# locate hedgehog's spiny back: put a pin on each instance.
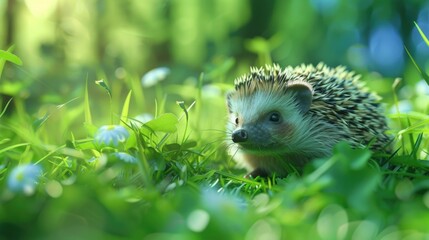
(338, 98)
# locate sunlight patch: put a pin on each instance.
(198, 220)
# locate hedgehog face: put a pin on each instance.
(263, 121)
(263, 134)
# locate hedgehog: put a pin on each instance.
(280, 119)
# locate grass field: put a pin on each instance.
(168, 177)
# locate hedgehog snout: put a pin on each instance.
(252, 136)
(239, 135)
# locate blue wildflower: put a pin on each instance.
(24, 178)
(154, 76)
(111, 135)
(125, 157)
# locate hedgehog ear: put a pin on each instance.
(303, 93)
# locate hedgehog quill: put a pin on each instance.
(280, 119)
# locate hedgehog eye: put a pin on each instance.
(275, 117)
(236, 121)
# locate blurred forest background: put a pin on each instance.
(179, 180)
(64, 43)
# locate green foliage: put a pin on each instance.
(176, 189)
(136, 161)
(164, 123)
(8, 56)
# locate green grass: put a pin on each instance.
(182, 184)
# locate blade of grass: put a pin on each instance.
(143, 164)
(137, 89)
(61, 150)
(13, 146)
(104, 85)
(422, 34)
(183, 107)
(40, 121)
(88, 118)
(237, 178)
(199, 100)
(5, 107)
(125, 109)
(410, 135)
(416, 146)
(396, 103)
(422, 73)
(8, 56)
(165, 137)
(414, 128)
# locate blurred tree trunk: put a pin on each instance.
(100, 31)
(10, 22)
(9, 32)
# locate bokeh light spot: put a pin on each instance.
(54, 189)
(198, 220)
(329, 222)
(264, 229)
(386, 49)
(404, 189)
(324, 6)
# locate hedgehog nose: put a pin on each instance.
(239, 135)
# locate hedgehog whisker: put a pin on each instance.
(214, 130)
(220, 141)
(235, 153)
